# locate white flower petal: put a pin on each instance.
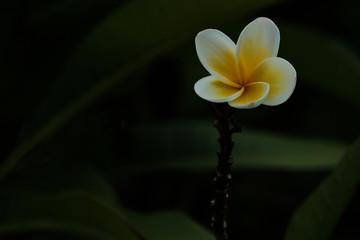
(254, 95)
(259, 40)
(214, 90)
(216, 52)
(280, 75)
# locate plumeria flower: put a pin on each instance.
(246, 74)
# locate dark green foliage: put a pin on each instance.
(103, 136)
(319, 214)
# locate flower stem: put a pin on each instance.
(221, 182)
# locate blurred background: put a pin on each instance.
(103, 136)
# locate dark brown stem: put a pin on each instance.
(223, 175)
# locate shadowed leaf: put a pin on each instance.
(318, 215)
(193, 146)
(73, 214)
(168, 225)
(124, 41)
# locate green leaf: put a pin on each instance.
(56, 178)
(322, 61)
(82, 215)
(72, 213)
(131, 36)
(77, 202)
(168, 225)
(192, 145)
(318, 215)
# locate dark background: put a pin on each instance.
(107, 107)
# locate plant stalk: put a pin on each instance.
(223, 124)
